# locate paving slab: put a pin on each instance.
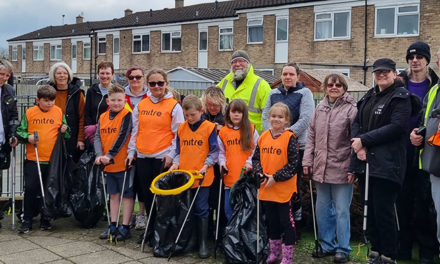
(15, 246)
(103, 256)
(75, 248)
(35, 256)
(46, 241)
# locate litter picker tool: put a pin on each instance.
(13, 183)
(318, 248)
(36, 139)
(223, 173)
(105, 196)
(364, 224)
(127, 168)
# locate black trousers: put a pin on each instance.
(417, 216)
(32, 189)
(280, 223)
(381, 222)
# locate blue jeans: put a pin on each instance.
(333, 216)
(228, 208)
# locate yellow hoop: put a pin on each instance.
(193, 175)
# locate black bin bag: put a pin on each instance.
(87, 196)
(171, 211)
(240, 235)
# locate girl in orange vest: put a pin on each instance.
(237, 141)
(276, 159)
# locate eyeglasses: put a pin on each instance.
(380, 72)
(411, 57)
(337, 85)
(153, 84)
(137, 77)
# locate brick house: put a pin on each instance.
(343, 35)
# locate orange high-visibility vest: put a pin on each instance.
(235, 156)
(154, 130)
(194, 148)
(109, 131)
(273, 157)
(47, 124)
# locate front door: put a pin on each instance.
(203, 49)
(74, 53)
(116, 52)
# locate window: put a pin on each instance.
(203, 40)
(334, 25)
(171, 41)
(141, 43)
(87, 51)
(55, 52)
(116, 45)
(101, 46)
(74, 50)
(255, 30)
(400, 21)
(226, 39)
(38, 53)
(23, 52)
(282, 25)
(14, 53)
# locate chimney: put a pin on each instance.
(179, 3)
(79, 19)
(128, 12)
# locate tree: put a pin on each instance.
(4, 53)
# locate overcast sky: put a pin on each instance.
(18, 17)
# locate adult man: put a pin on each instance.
(243, 83)
(430, 154)
(8, 117)
(414, 205)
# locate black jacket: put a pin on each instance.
(10, 119)
(386, 137)
(95, 105)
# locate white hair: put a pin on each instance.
(56, 66)
(5, 64)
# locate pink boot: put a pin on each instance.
(288, 254)
(275, 251)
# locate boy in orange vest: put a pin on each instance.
(111, 144)
(48, 120)
(197, 149)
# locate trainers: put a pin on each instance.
(341, 257)
(109, 230)
(45, 225)
(123, 233)
(374, 258)
(25, 227)
(387, 260)
(321, 253)
(140, 222)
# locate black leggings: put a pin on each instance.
(32, 188)
(279, 218)
(146, 170)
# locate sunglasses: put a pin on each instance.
(382, 72)
(337, 85)
(153, 84)
(137, 77)
(411, 57)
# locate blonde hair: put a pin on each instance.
(116, 88)
(192, 101)
(284, 109)
(215, 94)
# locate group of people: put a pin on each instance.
(391, 137)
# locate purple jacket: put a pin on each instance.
(328, 146)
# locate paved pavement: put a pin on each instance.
(67, 242)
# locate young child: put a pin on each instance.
(47, 120)
(214, 102)
(276, 159)
(111, 143)
(237, 141)
(197, 149)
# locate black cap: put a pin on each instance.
(384, 64)
(421, 48)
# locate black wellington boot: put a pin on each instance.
(203, 238)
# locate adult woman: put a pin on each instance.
(155, 122)
(379, 137)
(326, 159)
(95, 99)
(70, 98)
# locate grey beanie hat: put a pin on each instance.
(240, 54)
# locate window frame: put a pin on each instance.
(179, 32)
(248, 27)
(200, 32)
(229, 34)
(396, 20)
(84, 48)
(74, 53)
(102, 41)
(332, 20)
(23, 52)
(53, 52)
(287, 29)
(141, 40)
(14, 54)
(39, 51)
